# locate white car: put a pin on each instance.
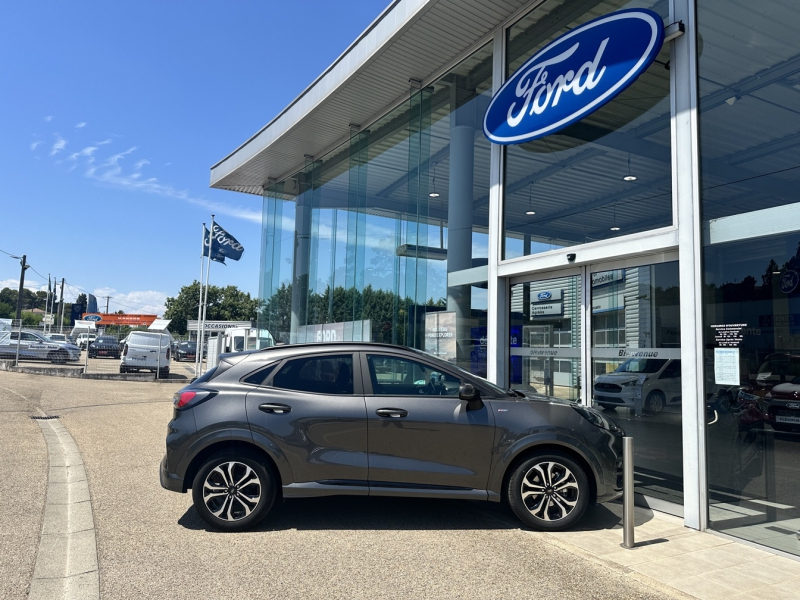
(656, 380)
(146, 351)
(84, 339)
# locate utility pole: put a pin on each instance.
(107, 299)
(61, 306)
(24, 264)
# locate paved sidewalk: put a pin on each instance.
(702, 565)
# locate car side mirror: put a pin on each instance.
(472, 395)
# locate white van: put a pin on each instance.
(146, 351)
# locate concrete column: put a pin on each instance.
(459, 216)
(300, 265)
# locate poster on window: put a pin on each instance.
(440, 335)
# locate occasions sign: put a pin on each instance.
(573, 76)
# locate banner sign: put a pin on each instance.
(440, 335)
(114, 319)
(573, 76)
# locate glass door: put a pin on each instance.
(545, 341)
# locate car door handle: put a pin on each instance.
(394, 413)
(277, 409)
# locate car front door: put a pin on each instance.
(420, 433)
(312, 407)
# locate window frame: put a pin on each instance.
(358, 389)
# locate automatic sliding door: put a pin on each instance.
(546, 337)
(636, 369)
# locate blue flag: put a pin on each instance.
(223, 245)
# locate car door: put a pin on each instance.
(312, 408)
(670, 381)
(420, 433)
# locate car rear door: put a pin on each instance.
(420, 433)
(312, 408)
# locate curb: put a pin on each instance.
(66, 562)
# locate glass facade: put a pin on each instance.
(749, 88)
(605, 176)
(386, 238)
(383, 238)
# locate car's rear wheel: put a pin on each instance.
(233, 491)
(655, 402)
(549, 491)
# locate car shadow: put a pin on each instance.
(399, 514)
(364, 513)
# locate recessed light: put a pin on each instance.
(615, 228)
(629, 178)
(530, 212)
(433, 195)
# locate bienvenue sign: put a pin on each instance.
(574, 76)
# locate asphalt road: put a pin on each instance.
(151, 543)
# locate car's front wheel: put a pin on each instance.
(549, 491)
(233, 491)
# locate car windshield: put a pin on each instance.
(106, 340)
(186, 345)
(641, 365)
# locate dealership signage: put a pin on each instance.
(543, 310)
(131, 320)
(440, 335)
(573, 76)
(546, 296)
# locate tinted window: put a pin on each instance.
(392, 376)
(260, 376)
(318, 374)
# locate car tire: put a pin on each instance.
(237, 507)
(656, 401)
(163, 373)
(548, 491)
(123, 369)
(59, 357)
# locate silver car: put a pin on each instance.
(35, 346)
(655, 381)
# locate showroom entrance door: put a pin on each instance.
(608, 336)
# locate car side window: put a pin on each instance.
(673, 370)
(329, 374)
(394, 376)
(259, 376)
(27, 337)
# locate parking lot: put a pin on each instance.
(151, 543)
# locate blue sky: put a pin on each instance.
(111, 115)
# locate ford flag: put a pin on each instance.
(223, 245)
(216, 255)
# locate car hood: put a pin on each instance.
(536, 397)
(615, 377)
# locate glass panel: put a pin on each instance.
(364, 242)
(636, 369)
(749, 79)
(605, 176)
(545, 337)
(319, 375)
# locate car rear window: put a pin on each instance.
(328, 374)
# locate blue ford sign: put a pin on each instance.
(573, 76)
(544, 295)
(94, 318)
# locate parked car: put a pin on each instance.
(782, 406)
(35, 346)
(146, 351)
(374, 419)
(658, 380)
(58, 337)
(105, 345)
(84, 339)
(186, 351)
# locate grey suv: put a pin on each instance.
(373, 419)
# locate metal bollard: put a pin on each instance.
(627, 493)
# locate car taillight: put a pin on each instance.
(167, 353)
(189, 398)
(125, 350)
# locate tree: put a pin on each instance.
(224, 304)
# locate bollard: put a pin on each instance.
(627, 493)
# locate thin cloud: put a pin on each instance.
(104, 142)
(143, 302)
(58, 146)
(88, 151)
(80, 125)
(138, 166)
(35, 145)
(48, 118)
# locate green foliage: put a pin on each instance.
(224, 304)
(30, 319)
(7, 310)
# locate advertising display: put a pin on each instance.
(440, 335)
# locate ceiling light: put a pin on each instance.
(530, 212)
(433, 195)
(614, 222)
(629, 178)
(615, 228)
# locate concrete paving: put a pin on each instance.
(151, 543)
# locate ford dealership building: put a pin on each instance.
(595, 199)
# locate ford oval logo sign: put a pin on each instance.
(544, 295)
(573, 76)
(94, 318)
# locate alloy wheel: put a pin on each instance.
(231, 491)
(550, 491)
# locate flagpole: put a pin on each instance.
(198, 348)
(208, 273)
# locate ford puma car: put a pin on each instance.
(372, 419)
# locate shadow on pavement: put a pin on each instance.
(362, 513)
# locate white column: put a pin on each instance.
(686, 195)
(497, 317)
